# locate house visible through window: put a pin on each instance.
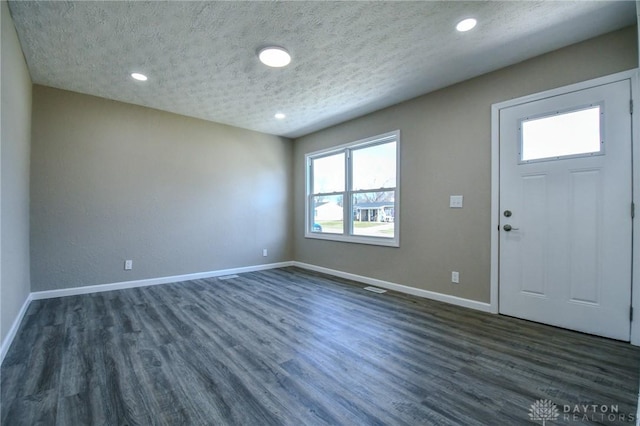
(352, 192)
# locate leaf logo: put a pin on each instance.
(545, 410)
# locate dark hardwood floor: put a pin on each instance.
(291, 347)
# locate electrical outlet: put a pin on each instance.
(264, 252)
(128, 265)
(455, 277)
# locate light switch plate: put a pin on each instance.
(455, 201)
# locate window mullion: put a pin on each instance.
(326, 194)
(310, 213)
(348, 208)
(362, 191)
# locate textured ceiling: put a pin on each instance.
(349, 58)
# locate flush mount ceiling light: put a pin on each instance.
(466, 25)
(138, 76)
(274, 56)
(280, 116)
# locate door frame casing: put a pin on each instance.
(633, 76)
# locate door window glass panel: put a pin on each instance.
(561, 135)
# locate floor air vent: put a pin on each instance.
(375, 289)
(227, 277)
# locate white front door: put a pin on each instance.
(565, 210)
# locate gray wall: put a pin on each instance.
(445, 150)
(112, 181)
(14, 169)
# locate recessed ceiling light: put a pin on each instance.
(274, 56)
(466, 25)
(280, 116)
(138, 76)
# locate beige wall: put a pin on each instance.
(15, 89)
(445, 150)
(112, 181)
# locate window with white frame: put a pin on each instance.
(352, 191)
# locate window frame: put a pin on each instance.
(348, 193)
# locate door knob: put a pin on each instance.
(508, 228)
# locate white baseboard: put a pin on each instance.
(38, 295)
(454, 300)
(6, 343)
(48, 294)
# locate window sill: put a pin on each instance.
(356, 239)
